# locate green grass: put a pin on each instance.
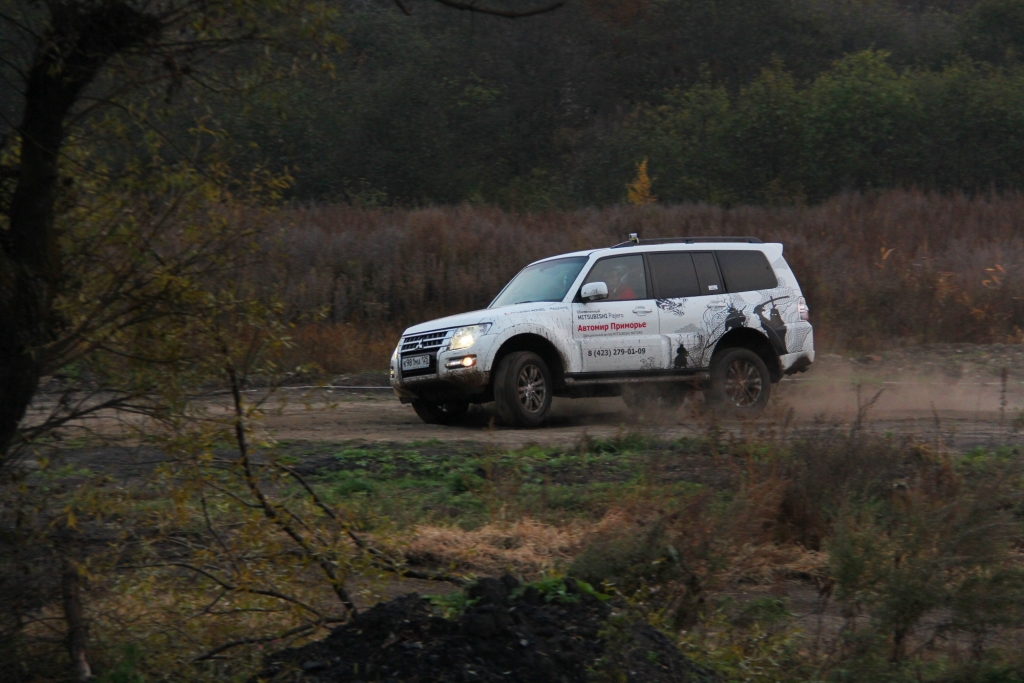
(984, 454)
(434, 482)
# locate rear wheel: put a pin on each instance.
(449, 413)
(523, 389)
(667, 396)
(740, 383)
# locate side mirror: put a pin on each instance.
(594, 291)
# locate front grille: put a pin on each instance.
(426, 342)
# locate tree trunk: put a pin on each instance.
(80, 40)
(77, 633)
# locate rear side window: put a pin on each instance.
(746, 271)
(707, 273)
(674, 275)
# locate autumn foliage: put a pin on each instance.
(900, 267)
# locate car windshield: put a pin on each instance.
(546, 281)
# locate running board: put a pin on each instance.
(589, 378)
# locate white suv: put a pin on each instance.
(650, 320)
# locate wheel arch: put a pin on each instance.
(542, 346)
(755, 341)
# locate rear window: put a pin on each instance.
(707, 273)
(746, 271)
(674, 275)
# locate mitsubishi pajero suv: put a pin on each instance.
(648, 320)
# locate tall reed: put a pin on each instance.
(899, 267)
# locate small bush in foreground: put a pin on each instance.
(917, 550)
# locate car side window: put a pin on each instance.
(746, 271)
(624, 276)
(707, 273)
(674, 275)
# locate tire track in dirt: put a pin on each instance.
(960, 416)
(957, 397)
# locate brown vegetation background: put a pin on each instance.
(894, 268)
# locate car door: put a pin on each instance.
(693, 310)
(620, 333)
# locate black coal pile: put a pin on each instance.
(504, 634)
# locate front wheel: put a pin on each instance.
(523, 389)
(740, 383)
(450, 413)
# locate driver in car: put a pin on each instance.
(619, 287)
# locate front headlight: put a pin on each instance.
(465, 337)
(394, 356)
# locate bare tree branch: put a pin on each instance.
(228, 586)
(302, 630)
(269, 509)
(494, 11)
(383, 560)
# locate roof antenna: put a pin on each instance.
(634, 238)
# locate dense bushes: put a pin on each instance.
(737, 101)
(732, 101)
(915, 548)
(877, 269)
(860, 125)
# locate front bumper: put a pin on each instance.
(442, 383)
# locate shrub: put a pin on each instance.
(892, 268)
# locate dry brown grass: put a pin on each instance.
(530, 548)
(525, 547)
(899, 267)
(340, 347)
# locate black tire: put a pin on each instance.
(740, 383)
(523, 389)
(664, 396)
(449, 413)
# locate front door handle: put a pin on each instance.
(717, 304)
(640, 310)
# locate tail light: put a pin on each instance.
(802, 310)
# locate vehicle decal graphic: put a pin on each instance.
(734, 318)
(614, 327)
(598, 315)
(773, 313)
(797, 338)
(679, 362)
(673, 306)
(773, 325)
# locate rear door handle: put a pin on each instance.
(717, 305)
(640, 310)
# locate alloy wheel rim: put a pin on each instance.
(743, 384)
(532, 388)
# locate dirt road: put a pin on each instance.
(960, 395)
(956, 396)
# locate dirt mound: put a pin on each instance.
(506, 633)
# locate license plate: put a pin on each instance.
(416, 363)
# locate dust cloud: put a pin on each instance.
(953, 393)
(837, 388)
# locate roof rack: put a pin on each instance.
(635, 241)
